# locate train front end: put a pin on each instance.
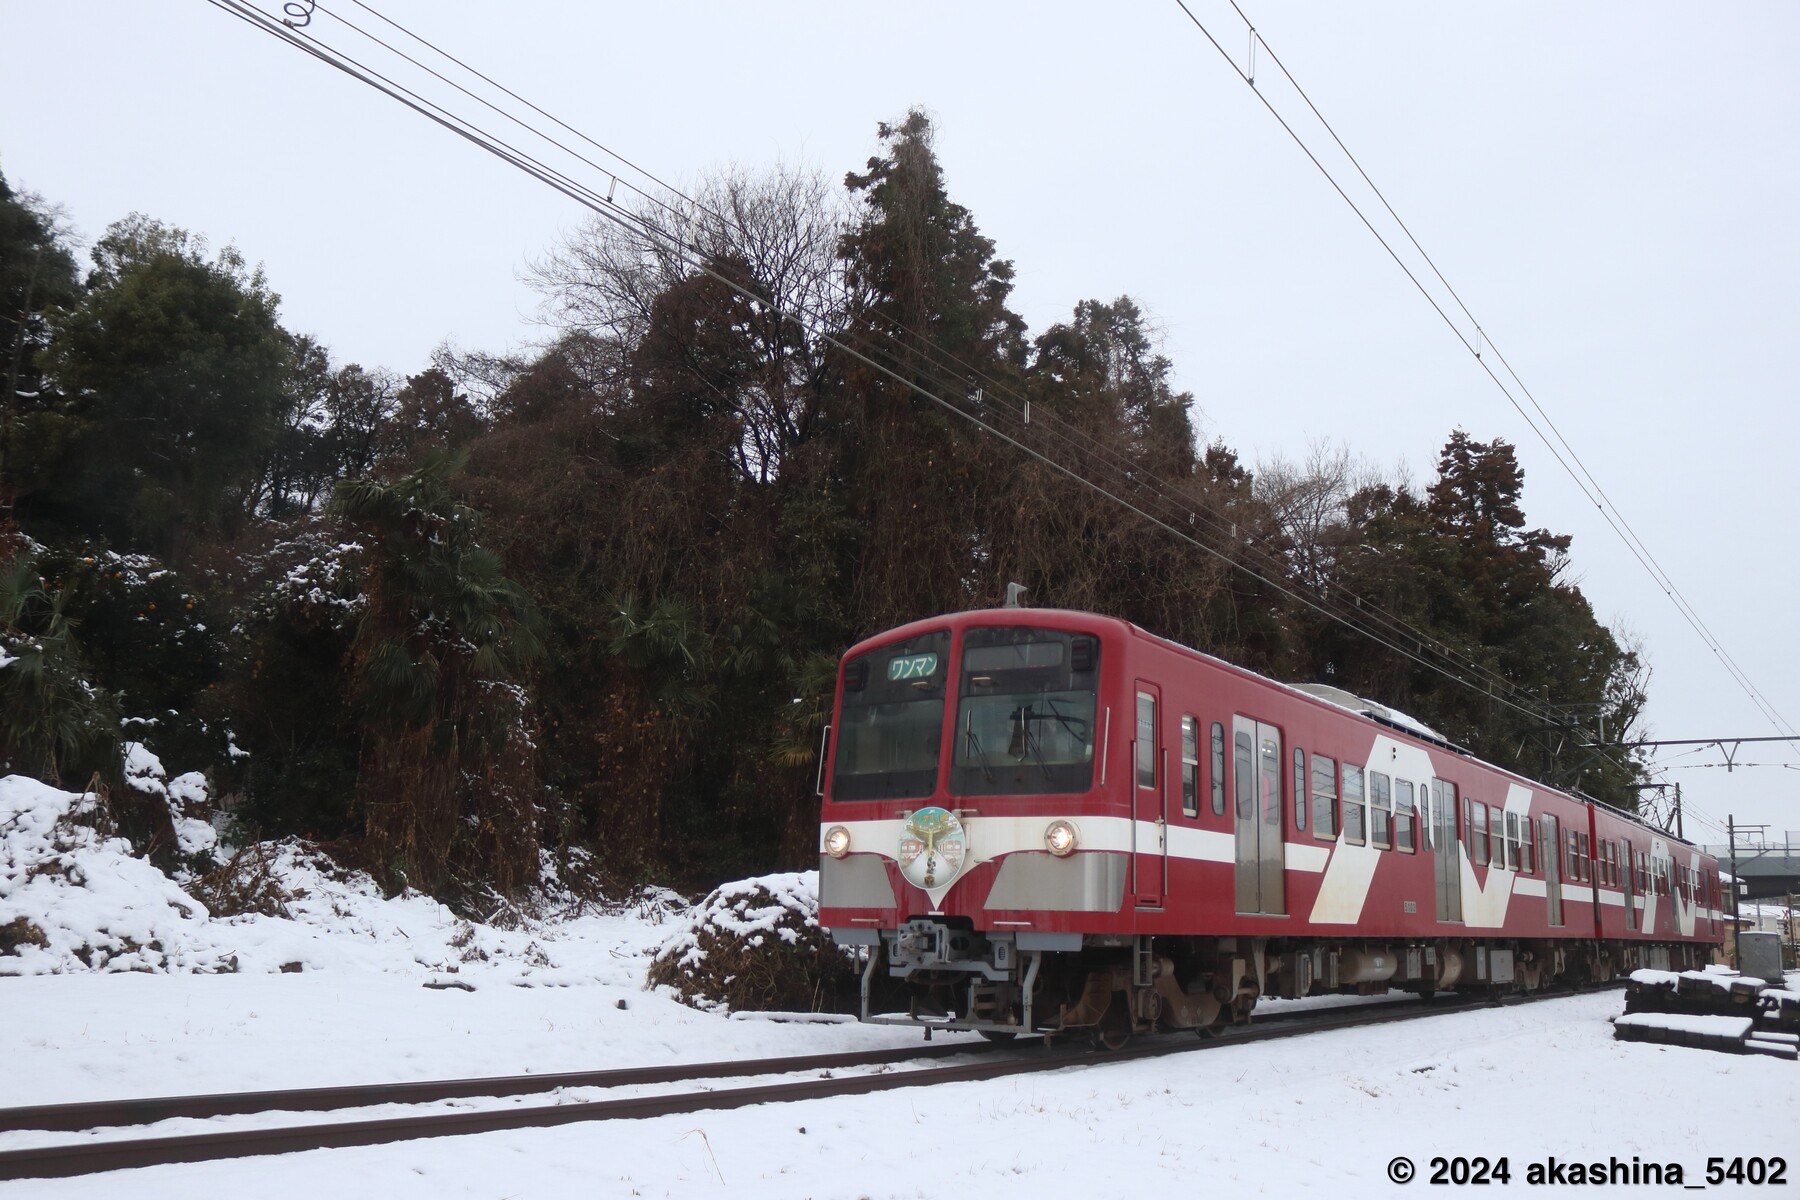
(974, 832)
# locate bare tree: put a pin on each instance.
(1307, 500)
(774, 235)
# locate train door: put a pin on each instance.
(1149, 825)
(1261, 852)
(1550, 854)
(1446, 851)
(1629, 882)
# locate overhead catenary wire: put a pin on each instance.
(1578, 473)
(1359, 611)
(880, 358)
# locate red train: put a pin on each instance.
(1050, 821)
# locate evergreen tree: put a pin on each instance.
(448, 777)
(927, 286)
(37, 276)
(1460, 566)
(172, 367)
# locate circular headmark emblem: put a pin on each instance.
(933, 848)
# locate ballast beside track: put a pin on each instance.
(993, 1062)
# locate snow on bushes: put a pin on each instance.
(755, 944)
(72, 898)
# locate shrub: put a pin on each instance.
(755, 944)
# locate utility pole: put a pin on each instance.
(1737, 928)
(1678, 832)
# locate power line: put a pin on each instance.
(1359, 609)
(1584, 480)
(878, 357)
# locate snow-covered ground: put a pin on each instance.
(1321, 1115)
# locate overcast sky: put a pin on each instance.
(1612, 190)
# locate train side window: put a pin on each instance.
(1218, 769)
(1146, 740)
(1468, 829)
(1572, 857)
(1587, 862)
(1512, 840)
(1403, 816)
(1478, 833)
(1380, 811)
(1496, 838)
(1299, 789)
(1190, 766)
(1243, 766)
(1324, 797)
(1353, 804)
(1527, 847)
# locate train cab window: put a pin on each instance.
(1353, 804)
(1380, 811)
(1190, 766)
(1299, 789)
(891, 723)
(1218, 769)
(1146, 740)
(1025, 717)
(1478, 836)
(1403, 816)
(1512, 840)
(1324, 797)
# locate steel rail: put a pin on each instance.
(98, 1156)
(103, 1113)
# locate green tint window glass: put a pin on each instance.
(1324, 797)
(1353, 804)
(1218, 769)
(1025, 718)
(891, 722)
(1190, 766)
(1380, 811)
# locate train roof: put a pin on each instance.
(1314, 693)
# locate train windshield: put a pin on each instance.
(1025, 721)
(892, 723)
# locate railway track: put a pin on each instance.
(95, 1155)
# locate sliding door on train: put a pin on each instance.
(1261, 852)
(1149, 823)
(1446, 851)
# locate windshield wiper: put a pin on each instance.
(1069, 723)
(974, 743)
(1023, 717)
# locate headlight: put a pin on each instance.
(1060, 838)
(837, 841)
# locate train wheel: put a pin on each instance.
(1114, 1029)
